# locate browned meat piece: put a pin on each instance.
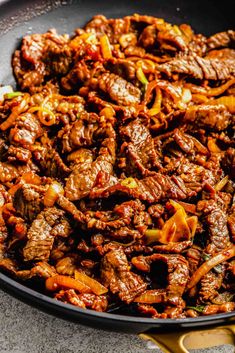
(40, 56)
(164, 36)
(86, 300)
(200, 68)
(40, 234)
(222, 39)
(151, 189)
(193, 256)
(129, 213)
(222, 54)
(215, 117)
(139, 146)
(122, 67)
(27, 202)
(85, 132)
(41, 269)
(214, 309)
(67, 265)
(173, 248)
(231, 225)
(195, 176)
(80, 73)
(116, 274)
(113, 28)
(8, 172)
(18, 154)
(228, 162)
(178, 273)
(198, 44)
(50, 162)
(148, 310)
(3, 237)
(210, 284)
(216, 221)
(188, 143)
(83, 176)
(118, 89)
(70, 208)
(26, 130)
(24, 72)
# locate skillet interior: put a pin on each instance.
(22, 17)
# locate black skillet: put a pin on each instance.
(18, 18)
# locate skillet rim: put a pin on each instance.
(43, 301)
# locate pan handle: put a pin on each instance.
(176, 342)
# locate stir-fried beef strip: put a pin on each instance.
(117, 167)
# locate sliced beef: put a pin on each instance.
(113, 28)
(228, 162)
(210, 284)
(86, 300)
(85, 132)
(50, 162)
(199, 68)
(70, 208)
(40, 235)
(28, 202)
(119, 90)
(222, 54)
(216, 221)
(164, 36)
(173, 248)
(80, 73)
(41, 56)
(18, 154)
(139, 146)
(122, 67)
(195, 176)
(151, 189)
(116, 274)
(84, 175)
(8, 172)
(41, 269)
(222, 39)
(26, 130)
(213, 117)
(178, 272)
(188, 143)
(129, 213)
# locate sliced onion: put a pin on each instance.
(64, 282)
(129, 183)
(156, 108)
(152, 296)
(95, 286)
(228, 101)
(13, 95)
(105, 47)
(46, 116)
(219, 186)
(141, 76)
(108, 112)
(208, 265)
(31, 178)
(54, 190)
(212, 146)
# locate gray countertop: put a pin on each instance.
(24, 329)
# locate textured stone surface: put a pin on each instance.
(26, 330)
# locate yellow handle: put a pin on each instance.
(177, 342)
